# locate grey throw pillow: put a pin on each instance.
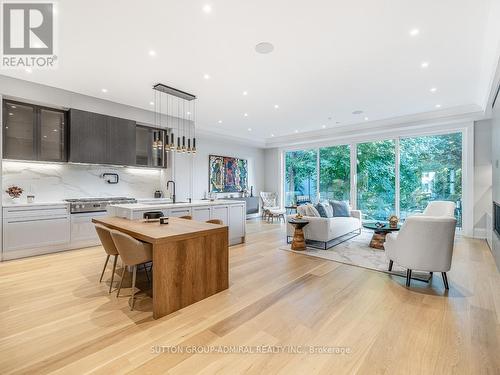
(340, 209)
(321, 210)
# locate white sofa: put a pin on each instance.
(425, 241)
(325, 230)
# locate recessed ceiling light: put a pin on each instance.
(152, 53)
(220, 121)
(366, 118)
(249, 129)
(104, 90)
(207, 8)
(264, 48)
(434, 89)
(276, 106)
(272, 135)
(323, 126)
(296, 131)
(357, 112)
(245, 114)
(424, 65)
(206, 76)
(438, 105)
(414, 32)
(151, 103)
(245, 93)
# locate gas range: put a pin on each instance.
(82, 205)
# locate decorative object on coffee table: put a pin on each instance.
(393, 221)
(380, 230)
(298, 242)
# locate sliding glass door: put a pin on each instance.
(335, 173)
(376, 179)
(301, 175)
(430, 169)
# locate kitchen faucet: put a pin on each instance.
(173, 183)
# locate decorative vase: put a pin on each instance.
(16, 200)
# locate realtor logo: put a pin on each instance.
(28, 35)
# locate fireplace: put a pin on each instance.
(496, 217)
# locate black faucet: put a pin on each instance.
(173, 183)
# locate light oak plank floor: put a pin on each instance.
(56, 318)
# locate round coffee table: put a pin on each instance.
(379, 233)
(298, 242)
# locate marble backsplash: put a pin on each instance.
(54, 182)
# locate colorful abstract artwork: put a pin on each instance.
(227, 174)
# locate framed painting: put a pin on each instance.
(227, 174)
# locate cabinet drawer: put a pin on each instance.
(177, 212)
(37, 211)
(35, 233)
(201, 213)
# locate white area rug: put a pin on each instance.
(357, 252)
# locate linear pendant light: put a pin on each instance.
(180, 123)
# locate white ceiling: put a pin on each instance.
(331, 57)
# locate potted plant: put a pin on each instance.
(14, 193)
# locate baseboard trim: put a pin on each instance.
(480, 233)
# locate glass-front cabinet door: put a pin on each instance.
(31, 132)
(19, 121)
(150, 147)
(53, 135)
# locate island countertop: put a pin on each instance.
(152, 206)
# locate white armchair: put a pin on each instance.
(425, 242)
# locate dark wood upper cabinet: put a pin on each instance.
(33, 132)
(100, 139)
(120, 141)
(87, 137)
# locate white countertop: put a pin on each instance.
(194, 203)
(34, 204)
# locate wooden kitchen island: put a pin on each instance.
(190, 259)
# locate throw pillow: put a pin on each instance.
(312, 211)
(340, 209)
(321, 210)
(328, 209)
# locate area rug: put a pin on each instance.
(357, 252)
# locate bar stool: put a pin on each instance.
(214, 221)
(133, 253)
(109, 248)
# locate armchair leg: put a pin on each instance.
(390, 265)
(445, 280)
(408, 277)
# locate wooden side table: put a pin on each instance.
(298, 242)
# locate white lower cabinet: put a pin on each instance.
(177, 212)
(202, 213)
(34, 231)
(83, 231)
(221, 213)
(237, 223)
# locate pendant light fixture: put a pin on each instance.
(180, 114)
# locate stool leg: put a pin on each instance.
(134, 272)
(104, 268)
(113, 274)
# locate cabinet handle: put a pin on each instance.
(28, 221)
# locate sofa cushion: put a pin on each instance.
(340, 209)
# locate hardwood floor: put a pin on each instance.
(56, 317)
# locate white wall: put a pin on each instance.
(495, 152)
(482, 176)
(195, 185)
(272, 161)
